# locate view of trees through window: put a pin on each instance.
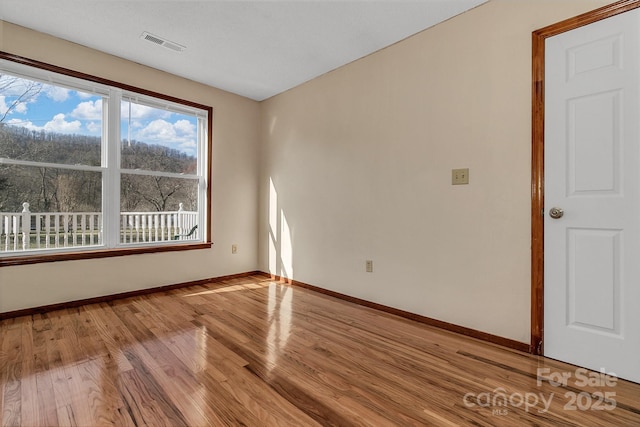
(49, 189)
(56, 154)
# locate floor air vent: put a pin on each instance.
(162, 42)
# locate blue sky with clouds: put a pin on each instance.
(60, 110)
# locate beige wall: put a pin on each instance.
(234, 180)
(357, 165)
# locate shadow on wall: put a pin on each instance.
(280, 248)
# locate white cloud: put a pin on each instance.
(14, 89)
(23, 123)
(3, 105)
(188, 147)
(20, 107)
(141, 112)
(180, 135)
(88, 110)
(56, 93)
(185, 127)
(15, 86)
(84, 95)
(158, 130)
(59, 124)
(137, 124)
(94, 127)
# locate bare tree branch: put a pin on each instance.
(8, 84)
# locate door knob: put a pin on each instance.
(556, 213)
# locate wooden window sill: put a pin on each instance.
(101, 253)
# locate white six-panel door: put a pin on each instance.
(592, 159)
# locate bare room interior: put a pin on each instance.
(379, 213)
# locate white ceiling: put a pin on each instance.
(252, 48)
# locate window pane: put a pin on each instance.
(143, 193)
(46, 208)
(47, 123)
(157, 139)
(49, 189)
(157, 208)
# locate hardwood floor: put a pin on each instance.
(255, 352)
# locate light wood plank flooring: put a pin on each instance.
(255, 352)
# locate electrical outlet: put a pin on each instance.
(369, 266)
(234, 249)
(460, 176)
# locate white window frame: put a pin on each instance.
(113, 93)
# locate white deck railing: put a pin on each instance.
(49, 230)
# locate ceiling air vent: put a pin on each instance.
(162, 42)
